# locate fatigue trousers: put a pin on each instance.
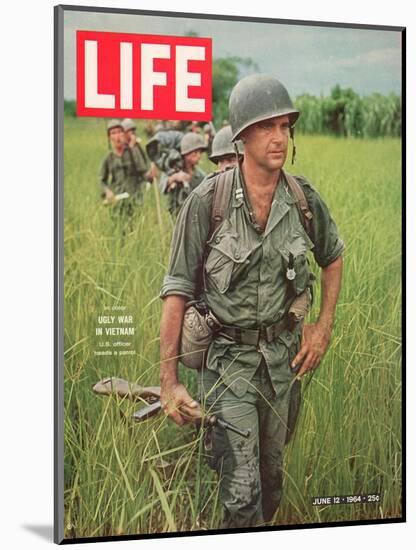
(249, 470)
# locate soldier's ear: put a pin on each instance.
(243, 135)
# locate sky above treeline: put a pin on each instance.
(307, 59)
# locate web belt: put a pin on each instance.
(252, 336)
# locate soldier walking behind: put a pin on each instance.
(120, 188)
(185, 175)
(142, 168)
(255, 269)
(223, 153)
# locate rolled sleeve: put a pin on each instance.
(177, 286)
(328, 245)
(187, 248)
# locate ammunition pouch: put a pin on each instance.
(298, 310)
(198, 329)
(200, 326)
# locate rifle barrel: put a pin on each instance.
(227, 426)
(151, 410)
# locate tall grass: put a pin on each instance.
(125, 478)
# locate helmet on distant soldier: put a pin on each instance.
(114, 123)
(223, 146)
(128, 124)
(258, 97)
(192, 141)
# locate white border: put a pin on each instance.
(27, 270)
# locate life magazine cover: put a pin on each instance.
(228, 253)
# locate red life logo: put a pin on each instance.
(144, 76)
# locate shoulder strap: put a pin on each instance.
(221, 199)
(301, 202)
(133, 162)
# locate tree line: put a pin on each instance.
(345, 113)
(342, 113)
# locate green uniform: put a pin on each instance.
(142, 166)
(247, 286)
(178, 195)
(125, 173)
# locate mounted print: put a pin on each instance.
(229, 223)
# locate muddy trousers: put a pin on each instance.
(249, 470)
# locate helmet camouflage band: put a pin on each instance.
(114, 123)
(128, 124)
(258, 97)
(192, 142)
(222, 145)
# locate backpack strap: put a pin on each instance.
(301, 203)
(221, 199)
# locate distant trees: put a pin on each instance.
(345, 113)
(226, 72)
(70, 107)
(342, 113)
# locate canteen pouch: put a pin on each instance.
(198, 328)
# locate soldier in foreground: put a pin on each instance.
(184, 175)
(255, 268)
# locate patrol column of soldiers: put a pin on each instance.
(255, 267)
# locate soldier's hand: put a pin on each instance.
(109, 195)
(172, 182)
(178, 404)
(315, 342)
(182, 176)
(153, 172)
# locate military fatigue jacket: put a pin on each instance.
(245, 272)
(141, 161)
(180, 193)
(124, 173)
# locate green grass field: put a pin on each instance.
(348, 438)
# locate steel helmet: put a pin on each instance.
(223, 146)
(258, 97)
(128, 124)
(114, 123)
(192, 141)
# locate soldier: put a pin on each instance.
(254, 268)
(144, 170)
(120, 180)
(185, 175)
(223, 152)
(164, 148)
(209, 135)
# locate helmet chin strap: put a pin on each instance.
(292, 137)
(237, 154)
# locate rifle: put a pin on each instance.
(122, 388)
(210, 419)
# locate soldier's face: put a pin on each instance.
(229, 160)
(130, 134)
(266, 142)
(117, 137)
(193, 157)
